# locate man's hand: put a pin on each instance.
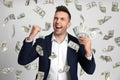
(34, 32)
(87, 43)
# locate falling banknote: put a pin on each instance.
(40, 75)
(88, 32)
(106, 74)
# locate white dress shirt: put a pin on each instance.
(58, 63)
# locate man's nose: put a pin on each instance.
(58, 20)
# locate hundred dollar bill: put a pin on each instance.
(4, 46)
(73, 45)
(81, 72)
(110, 35)
(52, 56)
(82, 18)
(77, 5)
(117, 41)
(115, 7)
(106, 18)
(108, 49)
(66, 68)
(91, 33)
(94, 33)
(106, 74)
(40, 75)
(13, 34)
(47, 26)
(18, 74)
(27, 2)
(106, 58)
(10, 17)
(26, 28)
(18, 47)
(91, 5)
(117, 64)
(31, 66)
(39, 50)
(8, 3)
(42, 36)
(103, 9)
(27, 67)
(7, 70)
(39, 11)
(49, 1)
(22, 15)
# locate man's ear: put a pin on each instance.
(69, 24)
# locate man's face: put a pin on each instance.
(60, 23)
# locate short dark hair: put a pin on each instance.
(64, 9)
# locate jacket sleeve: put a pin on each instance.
(87, 65)
(28, 52)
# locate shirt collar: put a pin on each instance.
(54, 39)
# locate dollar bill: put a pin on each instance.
(106, 18)
(13, 28)
(42, 36)
(39, 50)
(60, 71)
(4, 46)
(108, 49)
(91, 33)
(66, 68)
(115, 7)
(117, 41)
(47, 26)
(10, 17)
(7, 70)
(22, 15)
(39, 11)
(91, 5)
(52, 56)
(8, 3)
(27, 2)
(106, 74)
(117, 64)
(49, 1)
(73, 45)
(103, 9)
(110, 35)
(40, 75)
(106, 58)
(78, 6)
(82, 18)
(81, 72)
(17, 47)
(26, 28)
(94, 33)
(18, 74)
(32, 66)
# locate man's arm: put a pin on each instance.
(84, 54)
(28, 51)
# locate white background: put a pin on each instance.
(9, 58)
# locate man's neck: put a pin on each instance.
(60, 38)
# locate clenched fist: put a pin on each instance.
(34, 32)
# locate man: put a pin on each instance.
(58, 44)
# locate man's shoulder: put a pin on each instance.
(72, 38)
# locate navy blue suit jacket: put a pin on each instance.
(28, 53)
